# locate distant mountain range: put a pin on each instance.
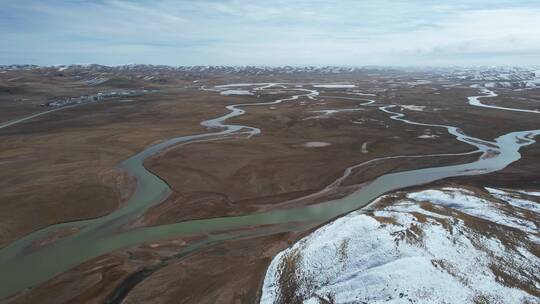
(490, 77)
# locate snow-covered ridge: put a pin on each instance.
(444, 245)
(488, 74)
(209, 69)
(489, 77)
(500, 77)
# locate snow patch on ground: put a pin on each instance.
(428, 136)
(516, 201)
(236, 92)
(334, 86)
(330, 112)
(96, 81)
(364, 148)
(413, 107)
(475, 206)
(533, 193)
(417, 249)
(419, 82)
(232, 85)
(316, 144)
(361, 94)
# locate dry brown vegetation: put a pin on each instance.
(61, 167)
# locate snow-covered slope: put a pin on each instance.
(499, 77)
(435, 246)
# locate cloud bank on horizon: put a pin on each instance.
(278, 32)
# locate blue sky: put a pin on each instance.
(278, 32)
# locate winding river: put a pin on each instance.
(22, 267)
(475, 101)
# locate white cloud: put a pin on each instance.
(278, 32)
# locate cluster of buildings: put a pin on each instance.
(92, 98)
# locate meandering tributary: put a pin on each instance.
(22, 267)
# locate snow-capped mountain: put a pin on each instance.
(499, 77)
